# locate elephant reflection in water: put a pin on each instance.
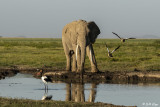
(93, 92)
(75, 92)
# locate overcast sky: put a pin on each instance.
(46, 18)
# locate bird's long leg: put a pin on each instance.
(47, 88)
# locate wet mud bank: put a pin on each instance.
(88, 77)
(7, 72)
(107, 77)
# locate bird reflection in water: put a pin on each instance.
(75, 92)
(46, 97)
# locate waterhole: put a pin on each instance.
(27, 87)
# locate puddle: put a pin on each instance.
(27, 87)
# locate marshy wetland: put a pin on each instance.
(136, 64)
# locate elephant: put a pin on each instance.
(77, 39)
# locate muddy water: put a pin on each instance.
(27, 87)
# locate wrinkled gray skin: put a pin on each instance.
(77, 38)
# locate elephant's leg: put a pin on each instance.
(78, 57)
(68, 67)
(81, 57)
(83, 53)
(74, 62)
(90, 54)
(68, 57)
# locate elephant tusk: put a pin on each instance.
(76, 52)
(91, 53)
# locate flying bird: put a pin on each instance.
(122, 39)
(110, 53)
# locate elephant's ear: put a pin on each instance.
(94, 31)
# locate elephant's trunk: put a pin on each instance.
(83, 55)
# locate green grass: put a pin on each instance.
(8, 102)
(141, 54)
(31, 52)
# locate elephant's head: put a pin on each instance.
(94, 31)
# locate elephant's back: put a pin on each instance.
(76, 23)
(74, 27)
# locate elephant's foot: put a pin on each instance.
(68, 69)
(74, 69)
(94, 69)
(80, 70)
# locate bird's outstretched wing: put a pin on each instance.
(116, 35)
(107, 48)
(115, 49)
(131, 38)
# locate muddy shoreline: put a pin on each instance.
(106, 77)
(88, 77)
(6, 72)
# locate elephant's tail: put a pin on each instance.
(71, 52)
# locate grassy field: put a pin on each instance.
(138, 54)
(8, 102)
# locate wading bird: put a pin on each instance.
(110, 53)
(45, 79)
(122, 39)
